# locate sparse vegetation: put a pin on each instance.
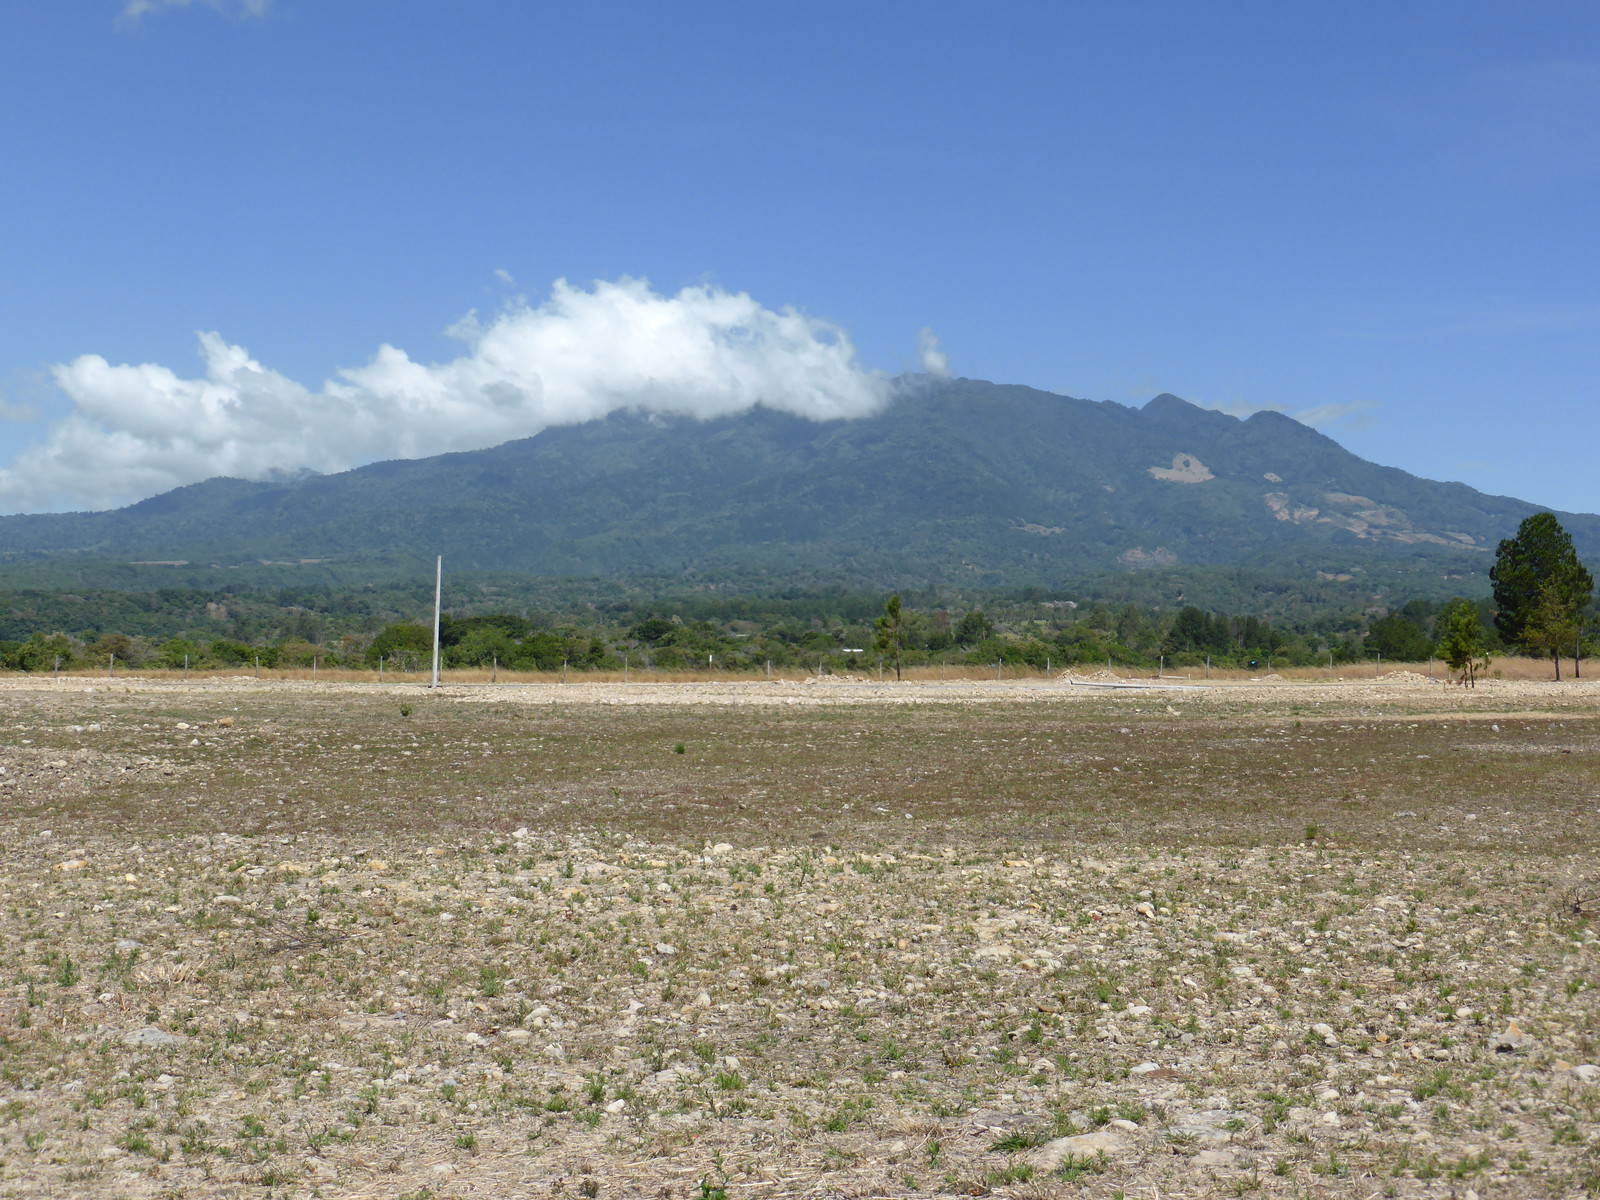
(860, 939)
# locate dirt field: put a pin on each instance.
(1035, 938)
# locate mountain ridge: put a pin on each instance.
(953, 479)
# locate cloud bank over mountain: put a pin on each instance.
(135, 430)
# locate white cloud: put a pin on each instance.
(137, 430)
(133, 10)
(505, 277)
(935, 361)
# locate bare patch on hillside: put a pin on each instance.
(1362, 516)
(1185, 468)
(1140, 557)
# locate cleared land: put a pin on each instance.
(798, 939)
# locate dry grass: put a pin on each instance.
(849, 939)
(1510, 668)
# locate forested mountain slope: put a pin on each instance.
(955, 480)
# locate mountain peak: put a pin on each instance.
(1175, 410)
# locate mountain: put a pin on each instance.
(954, 481)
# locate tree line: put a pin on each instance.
(1541, 604)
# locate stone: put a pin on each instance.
(152, 1036)
(1325, 1031)
(1084, 1145)
(1513, 1040)
(1213, 1125)
(1216, 1158)
(1587, 1072)
(1144, 1068)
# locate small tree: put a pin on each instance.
(890, 629)
(974, 627)
(1554, 622)
(1463, 645)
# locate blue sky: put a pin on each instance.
(1380, 218)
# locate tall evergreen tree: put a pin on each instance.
(1540, 587)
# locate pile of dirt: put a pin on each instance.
(1406, 677)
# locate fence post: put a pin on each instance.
(111, 666)
(258, 666)
(563, 670)
(1208, 666)
(494, 671)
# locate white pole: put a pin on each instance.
(438, 593)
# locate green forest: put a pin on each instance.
(1227, 617)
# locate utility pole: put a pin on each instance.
(438, 594)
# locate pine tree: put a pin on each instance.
(891, 630)
(1462, 644)
(1540, 587)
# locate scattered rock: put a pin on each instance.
(150, 1035)
(1513, 1040)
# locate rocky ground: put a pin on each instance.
(798, 940)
